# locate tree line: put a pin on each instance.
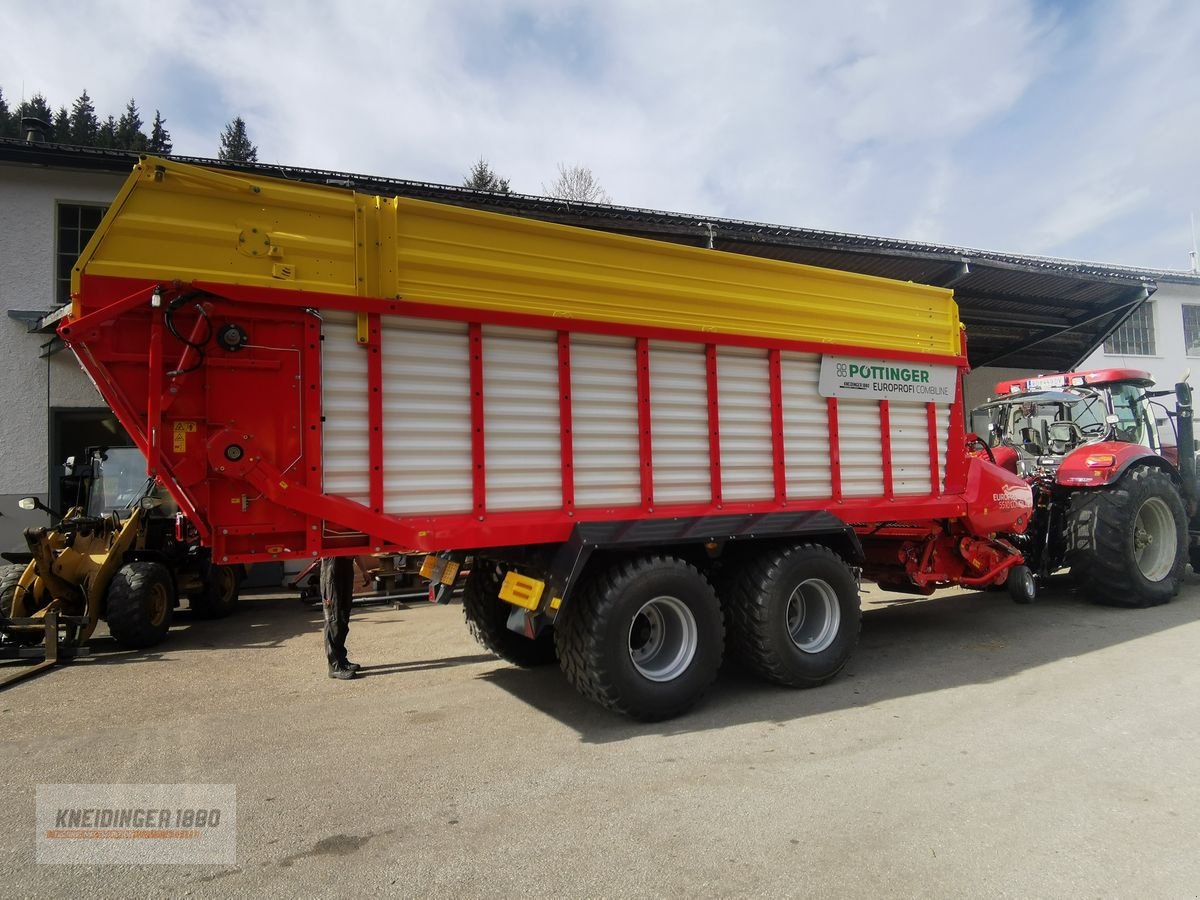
(576, 183)
(82, 126)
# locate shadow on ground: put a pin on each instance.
(262, 622)
(908, 647)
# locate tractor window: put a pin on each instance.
(1129, 408)
(1029, 427)
(1089, 416)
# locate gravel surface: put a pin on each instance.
(972, 747)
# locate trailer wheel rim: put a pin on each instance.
(1154, 539)
(813, 615)
(663, 637)
(158, 604)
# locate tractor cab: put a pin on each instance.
(109, 480)
(1034, 423)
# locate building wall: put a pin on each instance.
(29, 385)
(1170, 359)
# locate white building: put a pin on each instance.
(48, 407)
(1162, 336)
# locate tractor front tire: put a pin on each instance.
(643, 637)
(487, 617)
(220, 595)
(1128, 543)
(794, 615)
(140, 600)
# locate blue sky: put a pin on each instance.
(1057, 128)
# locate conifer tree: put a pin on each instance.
(62, 126)
(235, 143)
(129, 129)
(483, 178)
(106, 138)
(7, 126)
(160, 138)
(85, 127)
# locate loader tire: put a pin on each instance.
(644, 637)
(487, 617)
(140, 599)
(794, 615)
(1128, 543)
(9, 576)
(220, 595)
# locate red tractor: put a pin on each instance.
(1113, 473)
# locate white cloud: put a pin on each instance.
(1002, 124)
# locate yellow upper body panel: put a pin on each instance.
(173, 221)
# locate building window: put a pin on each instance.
(1191, 329)
(1136, 336)
(76, 222)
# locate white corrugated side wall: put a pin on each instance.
(344, 443)
(426, 417)
(805, 427)
(521, 432)
(679, 422)
(744, 407)
(861, 445)
(910, 448)
(604, 421)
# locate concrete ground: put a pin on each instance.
(972, 748)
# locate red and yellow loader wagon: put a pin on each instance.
(634, 443)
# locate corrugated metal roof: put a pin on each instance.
(1033, 311)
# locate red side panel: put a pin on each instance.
(235, 427)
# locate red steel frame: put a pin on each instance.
(334, 525)
(714, 422)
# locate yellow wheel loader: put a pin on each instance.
(121, 554)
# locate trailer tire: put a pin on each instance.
(219, 598)
(140, 599)
(643, 638)
(487, 617)
(795, 615)
(1022, 586)
(1128, 542)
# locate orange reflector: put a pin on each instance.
(1100, 461)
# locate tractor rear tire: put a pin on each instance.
(487, 617)
(1129, 542)
(140, 600)
(220, 595)
(643, 637)
(794, 615)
